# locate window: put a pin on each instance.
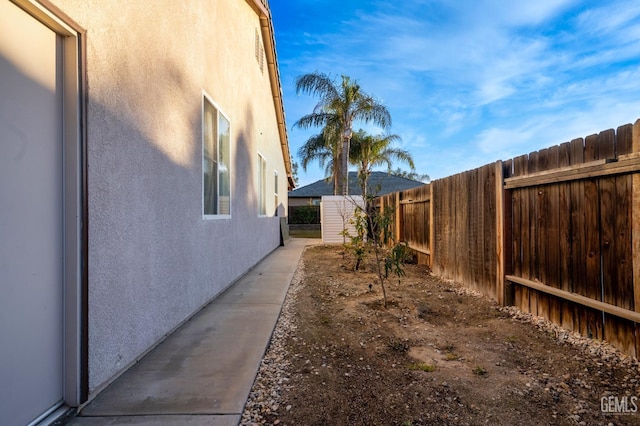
(216, 161)
(275, 189)
(262, 186)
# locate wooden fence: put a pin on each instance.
(552, 232)
(412, 207)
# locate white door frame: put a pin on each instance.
(75, 374)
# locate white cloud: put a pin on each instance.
(468, 83)
(497, 141)
(610, 18)
(523, 13)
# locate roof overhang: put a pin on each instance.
(266, 26)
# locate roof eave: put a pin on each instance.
(266, 26)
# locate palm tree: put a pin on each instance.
(323, 148)
(369, 151)
(339, 107)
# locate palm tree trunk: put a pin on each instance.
(344, 167)
(337, 173)
(364, 188)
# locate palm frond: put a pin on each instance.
(313, 120)
(316, 84)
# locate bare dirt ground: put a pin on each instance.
(437, 355)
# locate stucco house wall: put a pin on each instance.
(153, 259)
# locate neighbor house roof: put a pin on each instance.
(388, 183)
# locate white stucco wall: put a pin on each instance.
(153, 259)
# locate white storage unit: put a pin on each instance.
(336, 212)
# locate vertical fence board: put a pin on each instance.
(513, 236)
(465, 249)
(623, 270)
(578, 243)
(552, 237)
(565, 254)
(501, 217)
(460, 253)
(475, 248)
(481, 235)
(608, 213)
(431, 226)
(521, 167)
(608, 243)
(516, 227)
(509, 251)
(477, 227)
(626, 332)
(442, 220)
(592, 239)
(438, 223)
(428, 223)
(397, 212)
(447, 222)
(492, 224)
(534, 216)
(623, 201)
(450, 260)
(488, 228)
(544, 243)
(635, 229)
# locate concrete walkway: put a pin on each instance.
(202, 374)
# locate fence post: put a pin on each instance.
(507, 237)
(499, 232)
(432, 243)
(398, 217)
(635, 230)
(381, 208)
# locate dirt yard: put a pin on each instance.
(437, 355)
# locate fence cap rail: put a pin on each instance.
(629, 163)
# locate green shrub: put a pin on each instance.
(304, 215)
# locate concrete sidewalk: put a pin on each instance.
(202, 374)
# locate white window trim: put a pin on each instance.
(262, 194)
(231, 177)
(276, 192)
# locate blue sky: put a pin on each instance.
(468, 82)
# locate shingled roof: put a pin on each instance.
(388, 183)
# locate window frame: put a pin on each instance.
(276, 193)
(262, 185)
(219, 113)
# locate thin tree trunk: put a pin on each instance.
(344, 167)
(337, 175)
(364, 188)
